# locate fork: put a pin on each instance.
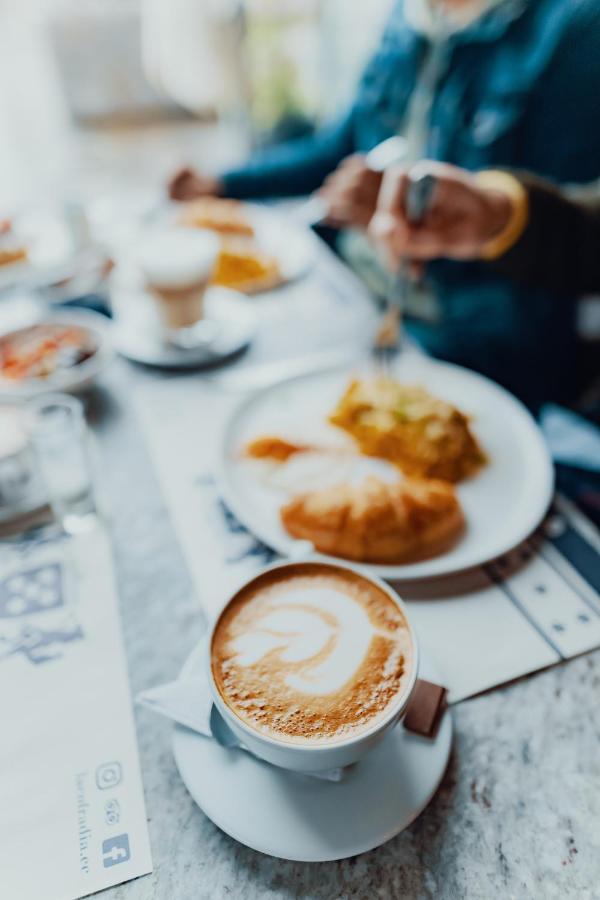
(388, 340)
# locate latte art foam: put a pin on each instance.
(311, 653)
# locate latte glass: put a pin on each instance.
(319, 755)
(17, 467)
(176, 266)
(63, 448)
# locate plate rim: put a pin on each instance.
(389, 572)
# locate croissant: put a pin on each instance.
(378, 522)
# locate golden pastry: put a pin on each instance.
(377, 522)
(243, 266)
(421, 434)
(11, 249)
(10, 255)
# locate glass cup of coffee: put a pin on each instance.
(311, 663)
(176, 265)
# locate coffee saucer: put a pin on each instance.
(302, 818)
(137, 333)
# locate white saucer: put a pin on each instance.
(138, 337)
(302, 818)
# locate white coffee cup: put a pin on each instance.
(307, 757)
(176, 265)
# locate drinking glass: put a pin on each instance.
(62, 445)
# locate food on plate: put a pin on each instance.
(377, 522)
(12, 249)
(421, 434)
(242, 265)
(217, 214)
(41, 351)
(274, 448)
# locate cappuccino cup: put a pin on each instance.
(176, 266)
(311, 663)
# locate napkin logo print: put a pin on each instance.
(38, 592)
(34, 591)
(115, 850)
(112, 812)
(109, 775)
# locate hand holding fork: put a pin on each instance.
(387, 343)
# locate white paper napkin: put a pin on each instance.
(72, 818)
(188, 701)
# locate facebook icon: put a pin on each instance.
(115, 850)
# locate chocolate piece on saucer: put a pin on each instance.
(426, 708)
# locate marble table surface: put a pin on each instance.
(516, 815)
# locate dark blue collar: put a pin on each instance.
(492, 25)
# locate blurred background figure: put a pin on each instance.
(478, 84)
(119, 91)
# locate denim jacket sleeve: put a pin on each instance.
(296, 167)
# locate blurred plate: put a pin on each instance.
(74, 378)
(278, 236)
(292, 245)
(503, 503)
(52, 250)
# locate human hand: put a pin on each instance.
(463, 216)
(350, 193)
(187, 184)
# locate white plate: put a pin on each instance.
(52, 253)
(78, 377)
(292, 245)
(503, 503)
(300, 817)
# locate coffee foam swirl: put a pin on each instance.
(312, 656)
(322, 627)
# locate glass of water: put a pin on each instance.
(62, 445)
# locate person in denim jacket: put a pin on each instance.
(512, 84)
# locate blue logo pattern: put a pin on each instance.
(35, 621)
(115, 850)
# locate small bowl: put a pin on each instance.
(74, 378)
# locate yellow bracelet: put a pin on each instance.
(494, 180)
